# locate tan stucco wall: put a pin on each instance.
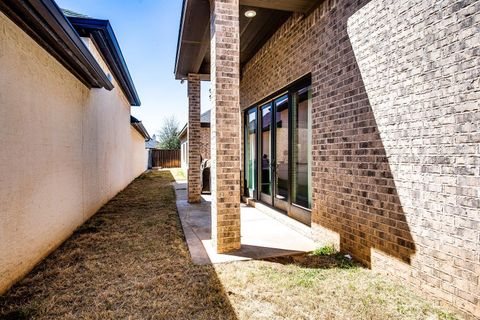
(139, 155)
(66, 150)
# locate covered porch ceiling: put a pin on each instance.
(193, 47)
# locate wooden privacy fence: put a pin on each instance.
(165, 158)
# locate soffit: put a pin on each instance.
(193, 48)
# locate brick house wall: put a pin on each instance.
(205, 139)
(204, 146)
(395, 134)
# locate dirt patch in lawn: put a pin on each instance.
(128, 261)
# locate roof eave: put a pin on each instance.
(193, 38)
(140, 128)
(183, 131)
(44, 21)
(104, 37)
(179, 76)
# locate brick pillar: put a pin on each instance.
(225, 124)
(194, 187)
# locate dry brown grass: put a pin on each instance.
(130, 261)
(319, 287)
(178, 174)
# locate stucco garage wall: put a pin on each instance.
(139, 159)
(66, 150)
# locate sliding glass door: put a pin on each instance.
(281, 136)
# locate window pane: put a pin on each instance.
(302, 148)
(281, 132)
(250, 146)
(265, 149)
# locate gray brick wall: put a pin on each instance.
(395, 134)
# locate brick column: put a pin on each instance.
(225, 124)
(194, 187)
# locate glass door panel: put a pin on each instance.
(302, 148)
(250, 153)
(281, 173)
(266, 153)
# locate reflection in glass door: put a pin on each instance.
(266, 154)
(281, 186)
(250, 153)
(302, 148)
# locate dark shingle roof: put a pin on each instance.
(205, 117)
(73, 14)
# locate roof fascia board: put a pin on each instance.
(179, 41)
(140, 128)
(184, 129)
(284, 5)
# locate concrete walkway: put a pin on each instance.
(261, 235)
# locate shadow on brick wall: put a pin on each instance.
(354, 190)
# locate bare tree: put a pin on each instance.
(168, 134)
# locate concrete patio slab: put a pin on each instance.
(261, 235)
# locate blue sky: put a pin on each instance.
(147, 31)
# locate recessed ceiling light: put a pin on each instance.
(250, 13)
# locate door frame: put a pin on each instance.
(268, 199)
(255, 175)
(279, 204)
